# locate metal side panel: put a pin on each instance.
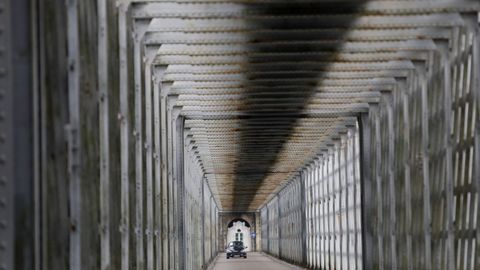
(16, 132)
(6, 143)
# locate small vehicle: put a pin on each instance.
(236, 248)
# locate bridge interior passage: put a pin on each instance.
(338, 134)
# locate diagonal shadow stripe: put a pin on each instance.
(252, 172)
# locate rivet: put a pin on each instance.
(3, 202)
(3, 245)
(3, 180)
(71, 65)
(2, 159)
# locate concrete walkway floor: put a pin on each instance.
(254, 261)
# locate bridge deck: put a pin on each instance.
(254, 261)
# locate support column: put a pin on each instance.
(166, 211)
(391, 179)
(124, 118)
(447, 141)
(172, 233)
(149, 55)
(203, 222)
(304, 220)
(279, 218)
(378, 184)
(476, 100)
(427, 217)
(367, 190)
(138, 135)
(74, 136)
(405, 99)
(158, 207)
(178, 148)
(104, 140)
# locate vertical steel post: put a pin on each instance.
(447, 141)
(338, 150)
(476, 100)
(74, 135)
(349, 160)
(124, 118)
(172, 234)
(166, 211)
(203, 264)
(104, 141)
(405, 94)
(158, 218)
(138, 135)
(367, 190)
(333, 196)
(308, 216)
(38, 114)
(328, 174)
(279, 219)
(427, 216)
(356, 175)
(378, 182)
(324, 210)
(148, 164)
(303, 219)
(179, 178)
(391, 180)
(317, 219)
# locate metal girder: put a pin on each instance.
(294, 58)
(260, 75)
(287, 36)
(293, 47)
(237, 9)
(303, 22)
(283, 67)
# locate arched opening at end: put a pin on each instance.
(239, 230)
(230, 224)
